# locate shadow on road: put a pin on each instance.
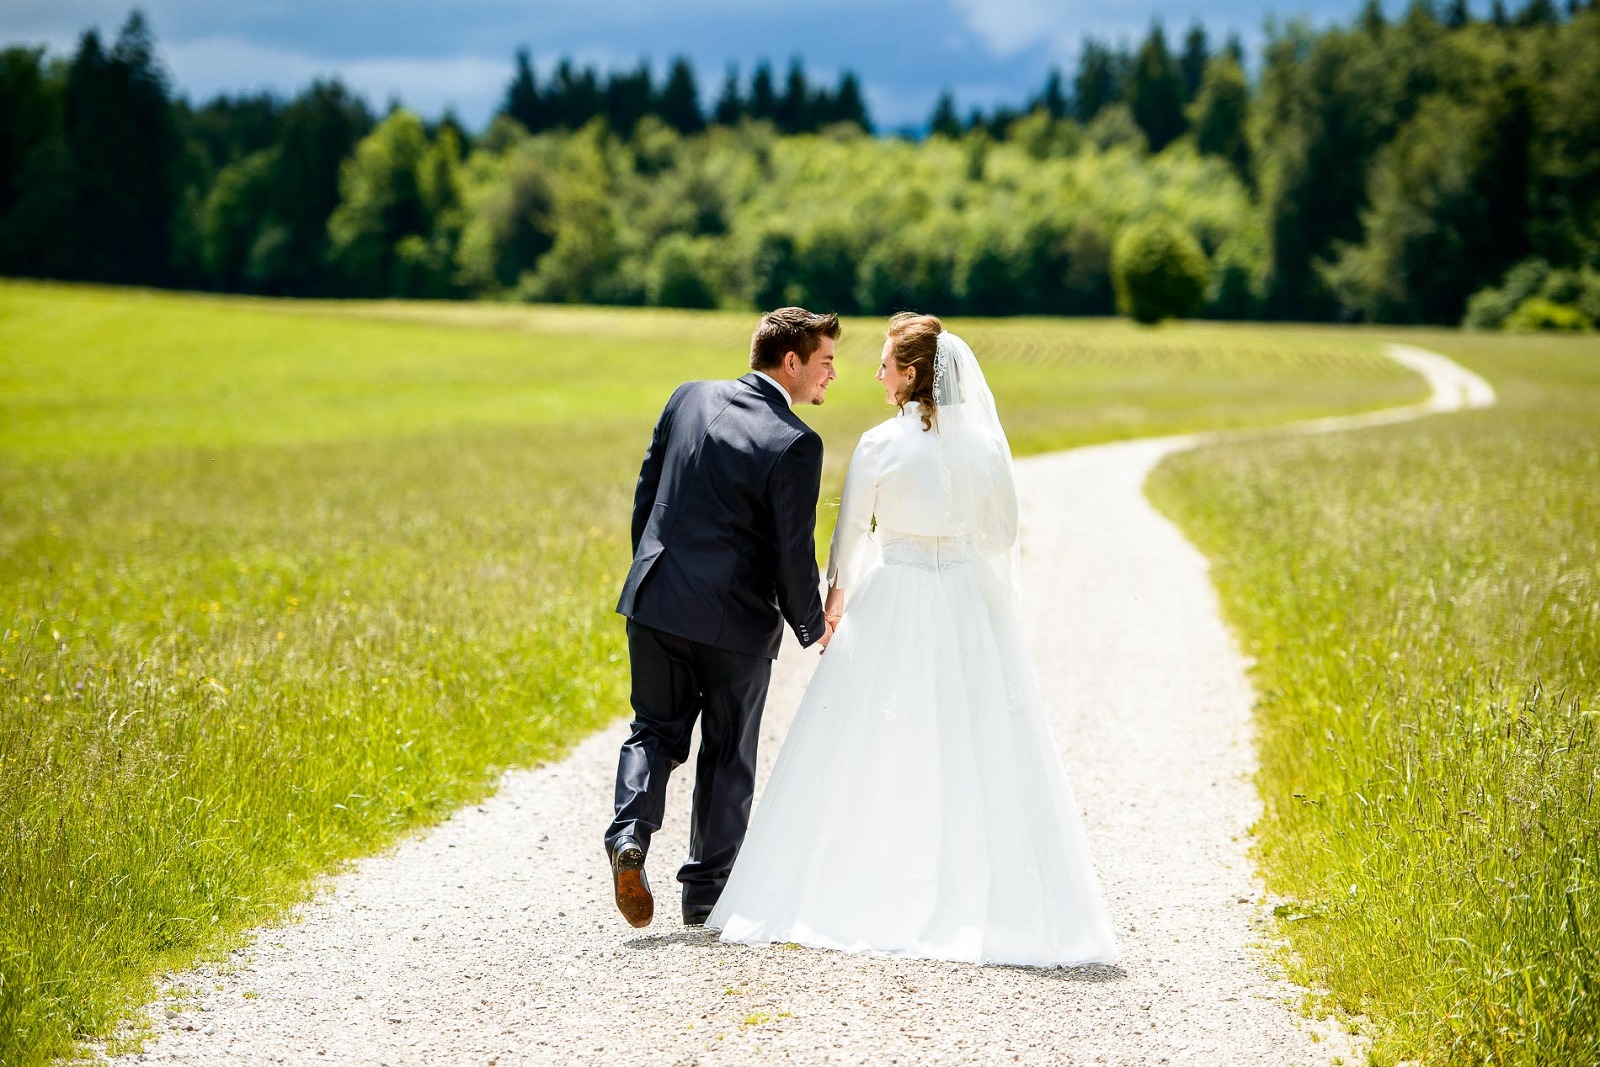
(701, 938)
(696, 938)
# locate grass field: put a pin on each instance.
(285, 580)
(1424, 603)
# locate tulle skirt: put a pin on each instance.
(919, 806)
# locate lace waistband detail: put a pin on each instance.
(928, 553)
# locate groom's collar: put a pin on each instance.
(787, 399)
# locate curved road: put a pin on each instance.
(492, 939)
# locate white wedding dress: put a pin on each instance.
(918, 806)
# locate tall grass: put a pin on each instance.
(1424, 603)
(285, 580)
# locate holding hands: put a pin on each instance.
(832, 609)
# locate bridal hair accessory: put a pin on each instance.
(941, 361)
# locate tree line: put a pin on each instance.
(1157, 84)
(571, 98)
(1385, 170)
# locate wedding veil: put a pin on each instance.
(975, 462)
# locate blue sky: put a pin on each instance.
(433, 55)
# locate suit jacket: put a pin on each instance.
(724, 520)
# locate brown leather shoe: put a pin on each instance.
(632, 887)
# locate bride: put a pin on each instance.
(919, 806)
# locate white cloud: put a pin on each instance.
(1007, 27)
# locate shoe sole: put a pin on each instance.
(633, 891)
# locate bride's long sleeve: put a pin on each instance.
(856, 506)
(1005, 489)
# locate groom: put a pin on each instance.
(723, 553)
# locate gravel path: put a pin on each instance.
(492, 939)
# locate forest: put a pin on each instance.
(1428, 166)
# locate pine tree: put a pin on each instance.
(1192, 65)
(1155, 92)
(523, 102)
(1458, 14)
(1422, 13)
(977, 121)
(37, 213)
(1054, 97)
(1538, 13)
(944, 121)
(763, 99)
(1096, 83)
(1220, 112)
(848, 105)
(1372, 20)
(794, 106)
(122, 145)
(574, 97)
(232, 127)
(321, 128)
(628, 98)
(730, 106)
(679, 103)
(822, 108)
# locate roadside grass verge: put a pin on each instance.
(1423, 601)
(284, 580)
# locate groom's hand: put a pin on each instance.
(827, 635)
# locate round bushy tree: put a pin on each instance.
(1159, 271)
(1537, 313)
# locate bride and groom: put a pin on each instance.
(918, 806)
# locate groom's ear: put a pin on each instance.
(792, 363)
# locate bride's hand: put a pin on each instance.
(827, 635)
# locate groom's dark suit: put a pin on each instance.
(723, 553)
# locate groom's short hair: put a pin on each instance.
(789, 330)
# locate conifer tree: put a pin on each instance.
(679, 104)
(575, 96)
(1155, 92)
(1372, 20)
(629, 97)
(1097, 83)
(730, 106)
(794, 106)
(523, 101)
(763, 97)
(1053, 99)
(1192, 65)
(1220, 114)
(944, 121)
(321, 128)
(848, 105)
(121, 143)
(1538, 13)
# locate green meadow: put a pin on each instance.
(285, 580)
(1423, 601)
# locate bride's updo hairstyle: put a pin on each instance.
(913, 340)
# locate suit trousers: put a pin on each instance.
(675, 681)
